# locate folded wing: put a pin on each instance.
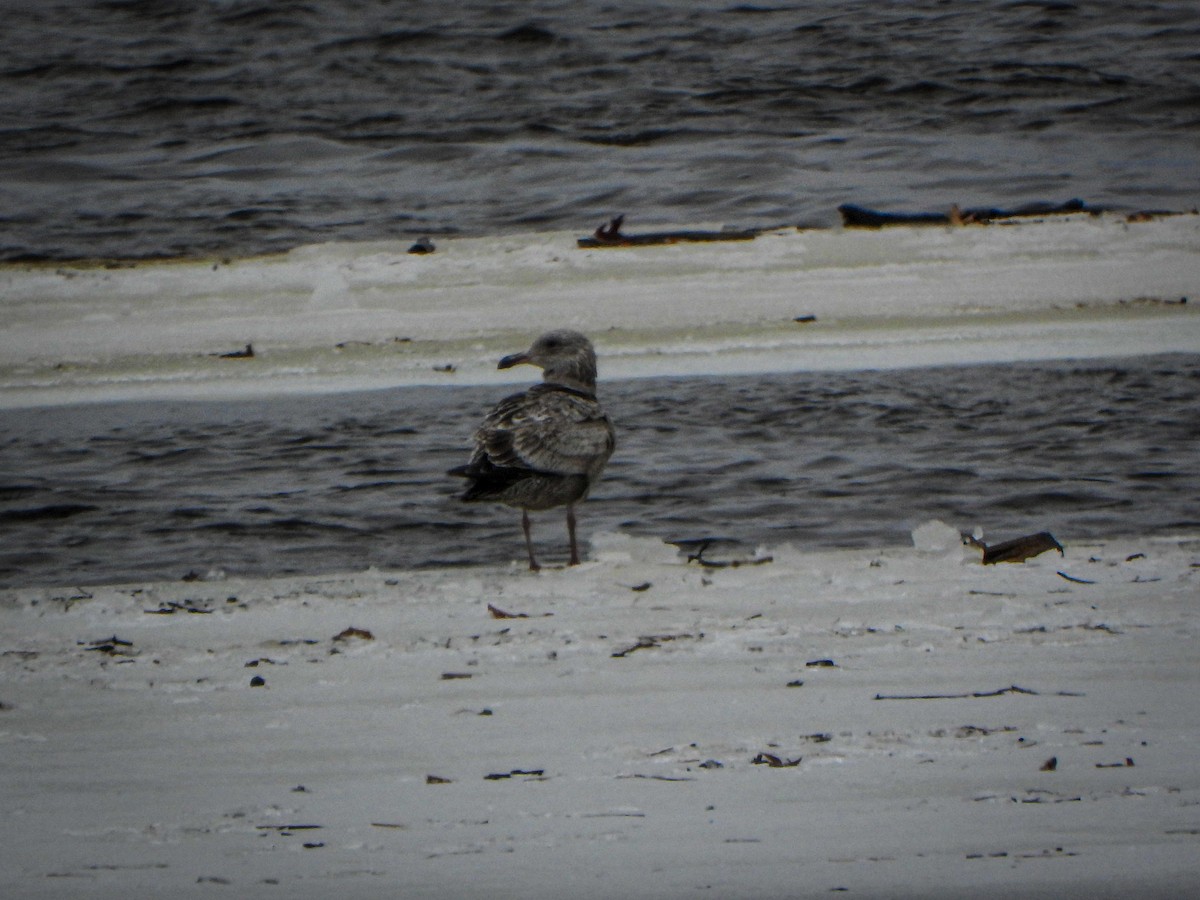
(547, 429)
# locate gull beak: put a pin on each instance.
(515, 359)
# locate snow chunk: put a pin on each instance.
(935, 536)
(615, 547)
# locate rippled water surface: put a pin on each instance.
(162, 127)
(119, 492)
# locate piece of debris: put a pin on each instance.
(258, 681)
(171, 606)
(820, 664)
(649, 642)
(698, 557)
(437, 779)
(861, 217)
(1012, 689)
(350, 634)
(639, 588)
(1050, 765)
(498, 613)
(804, 320)
(1073, 579)
(247, 353)
(447, 369)
(113, 646)
(515, 773)
(1017, 550)
(775, 762)
(610, 235)
(452, 676)
(422, 246)
(970, 731)
(1127, 764)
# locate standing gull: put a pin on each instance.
(544, 447)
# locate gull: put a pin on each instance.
(546, 446)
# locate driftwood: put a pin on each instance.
(1012, 689)
(1016, 550)
(862, 217)
(610, 235)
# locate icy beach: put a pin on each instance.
(251, 643)
(352, 316)
(898, 724)
(760, 723)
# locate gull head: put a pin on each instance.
(565, 357)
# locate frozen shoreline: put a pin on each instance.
(642, 726)
(603, 742)
(343, 317)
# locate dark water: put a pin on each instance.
(165, 127)
(120, 492)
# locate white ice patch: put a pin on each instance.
(935, 536)
(355, 316)
(615, 547)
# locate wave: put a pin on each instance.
(264, 487)
(743, 113)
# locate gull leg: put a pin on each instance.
(533, 563)
(571, 534)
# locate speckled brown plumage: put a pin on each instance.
(544, 447)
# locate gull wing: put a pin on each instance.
(546, 429)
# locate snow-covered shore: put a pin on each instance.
(341, 317)
(886, 724)
(907, 723)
